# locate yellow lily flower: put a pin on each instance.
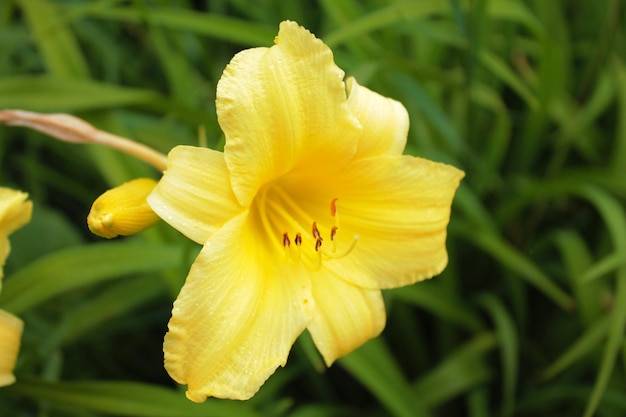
(308, 213)
(15, 211)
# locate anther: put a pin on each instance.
(298, 239)
(318, 244)
(286, 241)
(333, 207)
(315, 232)
(333, 232)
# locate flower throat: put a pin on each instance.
(319, 240)
(277, 207)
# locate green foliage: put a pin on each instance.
(528, 97)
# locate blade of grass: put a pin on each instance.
(211, 25)
(618, 153)
(374, 367)
(593, 336)
(510, 258)
(460, 371)
(433, 112)
(385, 17)
(55, 40)
(613, 345)
(614, 217)
(440, 303)
(52, 94)
(112, 302)
(577, 260)
(81, 266)
(509, 349)
(499, 68)
(127, 399)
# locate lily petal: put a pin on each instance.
(236, 317)
(15, 211)
(345, 316)
(283, 107)
(11, 329)
(194, 195)
(400, 210)
(385, 121)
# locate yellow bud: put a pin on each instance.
(10, 334)
(123, 210)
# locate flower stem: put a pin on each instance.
(74, 130)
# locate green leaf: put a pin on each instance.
(55, 40)
(112, 302)
(73, 268)
(511, 258)
(127, 399)
(583, 346)
(53, 94)
(577, 261)
(618, 155)
(439, 303)
(212, 25)
(374, 367)
(613, 345)
(503, 72)
(509, 349)
(460, 371)
(385, 17)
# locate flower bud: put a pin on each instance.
(123, 210)
(10, 335)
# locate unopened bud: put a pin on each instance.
(123, 210)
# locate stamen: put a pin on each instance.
(318, 244)
(334, 213)
(286, 241)
(333, 206)
(315, 231)
(298, 239)
(346, 252)
(333, 232)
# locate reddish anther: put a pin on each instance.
(333, 207)
(315, 231)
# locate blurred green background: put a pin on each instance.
(528, 97)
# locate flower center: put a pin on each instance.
(305, 231)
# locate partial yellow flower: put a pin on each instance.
(123, 210)
(308, 213)
(15, 211)
(10, 335)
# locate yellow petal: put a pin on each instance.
(345, 316)
(15, 211)
(123, 210)
(235, 318)
(10, 335)
(5, 248)
(400, 209)
(385, 121)
(194, 196)
(284, 107)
